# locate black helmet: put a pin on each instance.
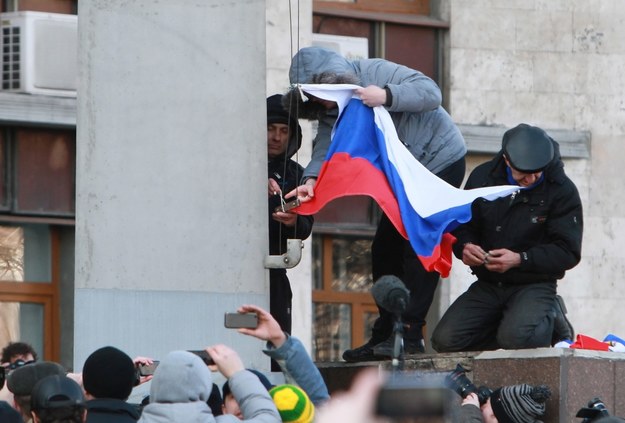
(528, 148)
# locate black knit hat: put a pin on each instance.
(528, 148)
(22, 380)
(519, 403)
(56, 392)
(109, 373)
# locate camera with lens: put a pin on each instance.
(593, 411)
(460, 383)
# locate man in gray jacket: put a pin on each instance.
(426, 129)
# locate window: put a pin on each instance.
(343, 309)
(37, 171)
(29, 286)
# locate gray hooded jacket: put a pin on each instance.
(422, 124)
(182, 384)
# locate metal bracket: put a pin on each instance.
(289, 259)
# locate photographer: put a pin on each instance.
(597, 412)
(514, 404)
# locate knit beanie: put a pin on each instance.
(277, 113)
(109, 373)
(22, 380)
(293, 404)
(519, 403)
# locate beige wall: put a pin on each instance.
(558, 64)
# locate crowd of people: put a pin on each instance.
(517, 247)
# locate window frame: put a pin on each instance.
(45, 293)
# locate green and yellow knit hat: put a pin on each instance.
(293, 404)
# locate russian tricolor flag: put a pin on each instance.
(366, 157)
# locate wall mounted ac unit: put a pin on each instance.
(39, 53)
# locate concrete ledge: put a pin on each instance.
(574, 376)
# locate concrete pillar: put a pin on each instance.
(171, 228)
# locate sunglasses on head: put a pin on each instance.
(19, 363)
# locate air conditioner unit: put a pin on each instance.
(39, 53)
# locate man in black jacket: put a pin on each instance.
(284, 137)
(517, 247)
(108, 377)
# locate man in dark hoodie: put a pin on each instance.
(414, 102)
(284, 137)
(517, 247)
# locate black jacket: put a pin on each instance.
(544, 224)
(287, 173)
(109, 410)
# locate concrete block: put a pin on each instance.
(544, 30)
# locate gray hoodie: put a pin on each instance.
(182, 384)
(422, 124)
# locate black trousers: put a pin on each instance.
(489, 316)
(280, 298)
(392, 254)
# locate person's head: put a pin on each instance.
(21, 382)
(516, 404)
(293, 404)
(181, 377)
(108, 373)
(57, 399)
(317, 65)
(230, 404)
(15, 351)
(527, 150)
(284, 134)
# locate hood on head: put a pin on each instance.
(310, 109)
(310, 61)
(179, 378)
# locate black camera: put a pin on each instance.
(460, 383)
(593, 411)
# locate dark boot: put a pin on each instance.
(385, 349)
(362, 353)
(562, 328)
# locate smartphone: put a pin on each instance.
(288, 206)
(240, 320)
(203, 355)
(148, 369)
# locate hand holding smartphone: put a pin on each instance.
(148, 369)
(206, 358)
(241, 320)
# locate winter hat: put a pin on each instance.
(519, 403)
(109, 373)
(56, 392)
(528, 148)
(22, 380)
(281, 111)
(225, 390)
(181, 377)
(293, 404)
